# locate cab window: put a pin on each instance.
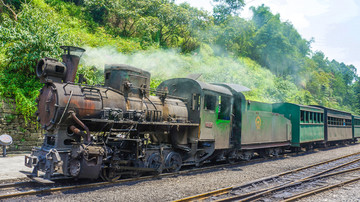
(209, 102)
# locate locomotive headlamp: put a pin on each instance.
(52, 70)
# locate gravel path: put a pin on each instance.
(168, 189)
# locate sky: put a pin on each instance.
(333, 24)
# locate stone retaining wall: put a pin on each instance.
(24, 136)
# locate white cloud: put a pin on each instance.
(294, 11)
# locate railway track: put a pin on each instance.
(290, 185)
(27, 188)
(18, 189)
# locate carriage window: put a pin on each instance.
(356, 122)
(302, 114)
(348, 122)
(307, 117)
(322, 118)
(209, 102)
(224, 107)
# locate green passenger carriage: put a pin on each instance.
(307, 123)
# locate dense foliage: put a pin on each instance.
(170, 40)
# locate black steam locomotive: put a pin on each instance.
(111, 130)
(120, 129)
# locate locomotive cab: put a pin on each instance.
(208, 105)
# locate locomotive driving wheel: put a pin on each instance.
(109, 174)
(173, 162)
(155, 162)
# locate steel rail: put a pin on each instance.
(282, 187)
(321, 189)
(256, 194)
(221, 191)
(64, 188)
(15, 184)
(48, 190)
(228, 189)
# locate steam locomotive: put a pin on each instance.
(121, 129)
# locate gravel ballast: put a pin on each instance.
(347, 193)
(168, 189)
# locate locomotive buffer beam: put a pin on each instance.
(40, 180)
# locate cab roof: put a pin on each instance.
(200, 85)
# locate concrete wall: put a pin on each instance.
(24, 136)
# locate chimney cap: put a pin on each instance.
(68, 49)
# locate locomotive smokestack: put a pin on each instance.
(71, 59)
(72, 63)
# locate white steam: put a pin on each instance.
(160, 63)
(166, 64)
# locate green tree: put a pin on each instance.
(99, 9)
(235, 35)
(35, 34)
(12, 7)
(130, 18)
(226, 8)
(277, 45)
